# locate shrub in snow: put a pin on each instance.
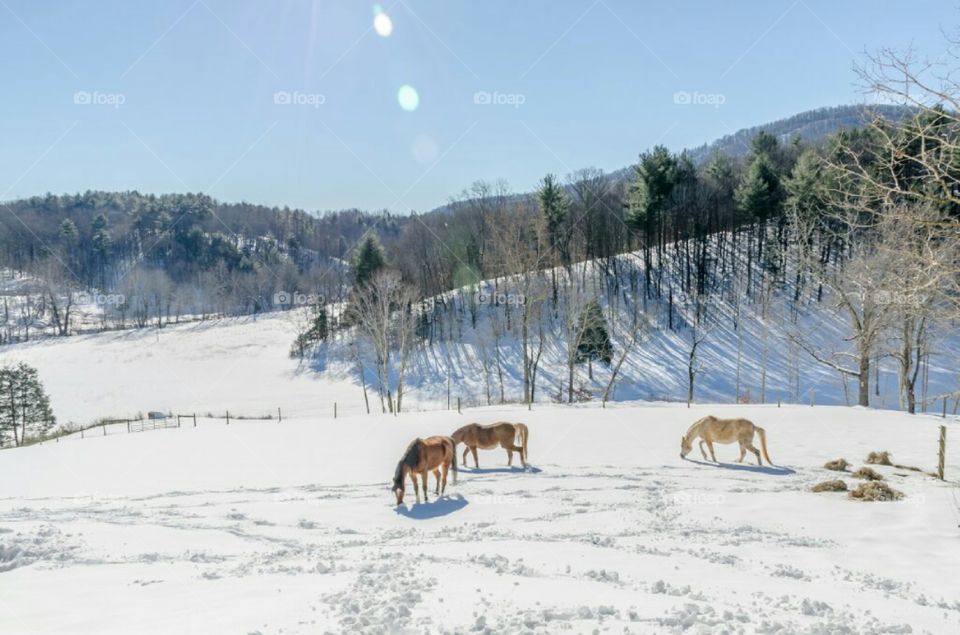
(867, 473)
(875, 491)
(838, 465)
(879, 458)
(835, 485)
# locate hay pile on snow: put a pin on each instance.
(867, 473)
(835, 485)
(837, 465)
(878, 458)
(875, 491)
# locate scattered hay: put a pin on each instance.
(838, 465)
(835, 485)
(878, 458)
(875, 491)
(867, 473)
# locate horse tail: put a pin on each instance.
(453, 461)
(763, 443)
(524, 435)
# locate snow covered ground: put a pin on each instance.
(266, 527)
(242, 365)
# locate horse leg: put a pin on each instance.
(466, 449)
(712, 455)
(519, 451)
(416, 488)
(423, 477)
(702, 451)
(436, 474)
(476, 462)
(509, 449)
(446, 466)
(743, 452)
(755, 451)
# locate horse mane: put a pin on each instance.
(410, 458)
(694, 425)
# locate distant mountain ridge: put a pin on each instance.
(812, 126)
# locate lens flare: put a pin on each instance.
(424, 149)
(382, 24)
(408, 98)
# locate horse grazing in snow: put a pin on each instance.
(713, 430)
(423, 456)
(488, 437)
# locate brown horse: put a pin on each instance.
(488, 437)
(713, 430)
(423, 456)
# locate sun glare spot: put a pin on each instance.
(424, 149)
(408, 98)
(382, 24)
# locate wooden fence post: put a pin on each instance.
(334, 409)
(194, 420)
(279, 415)
(128, 426)
(943, 452)
(104, 426)
(81, 433)
(944, 407)
(228, 417)
(458, 405)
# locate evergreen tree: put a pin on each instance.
(595, 338)
(68, 232)
(647, 197)
(24, 404)
(806, 190)
(368, 260)
(760, 195)
(554, 206)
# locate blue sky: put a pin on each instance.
(295, 102)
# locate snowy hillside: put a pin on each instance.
(268, 528)
(242, 365)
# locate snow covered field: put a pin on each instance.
(242, 365)
(289, 527)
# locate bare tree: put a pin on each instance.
(383, 312)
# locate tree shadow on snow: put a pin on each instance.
(435, 508)
(773, 470)
(500, 470)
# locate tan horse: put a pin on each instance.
(712, 430)
(488, 437)
(423, 456)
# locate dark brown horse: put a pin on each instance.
(423, 456)
(503, 434)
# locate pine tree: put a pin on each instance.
(368, 260)
(595, 338)
(648, 194)
(24, 404)
(554, 206)
(759, 195)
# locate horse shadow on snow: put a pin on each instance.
(436, 508)
(772, 470)
(499, 470)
